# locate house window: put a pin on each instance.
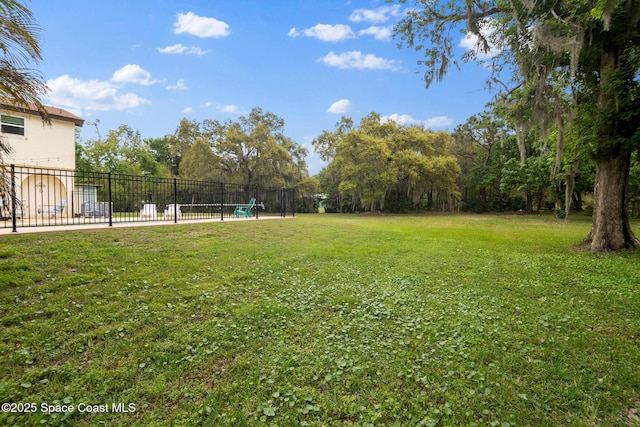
(13, 125)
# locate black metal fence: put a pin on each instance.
(45, 197)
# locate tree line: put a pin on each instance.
(373, 166)
(483, 165)
(253, 150)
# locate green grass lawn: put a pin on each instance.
(321, 320)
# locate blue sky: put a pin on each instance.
(148, 64)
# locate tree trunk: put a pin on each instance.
(568, 191)
(577, 201)
(610, 229)
(522, 146)
(540, 200)
(529, 202)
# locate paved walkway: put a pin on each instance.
(105, 226)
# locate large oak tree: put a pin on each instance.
(370, 161)
(596, 43)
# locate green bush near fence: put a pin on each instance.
(321, 320)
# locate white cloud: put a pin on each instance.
(407, 120)
(187, 110)
(228, 108)
(379, 15)
(401, 120)
(200, 26)
(340, 107)
(180, 49)
(325, 32)
(133, 73)
(355, 59)
(180, 85)
(379, 33)
(438, 122)
(91, 95)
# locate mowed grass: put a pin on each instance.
(321, 320)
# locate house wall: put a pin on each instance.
(40, 192)
(43, 145)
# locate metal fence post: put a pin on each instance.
(13, 200)
(221, 201)
(283, 203)
(256, 205)
(175, 201)
(110, 200)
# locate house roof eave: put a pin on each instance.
(53, 112)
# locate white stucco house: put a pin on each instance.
(43, 153)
